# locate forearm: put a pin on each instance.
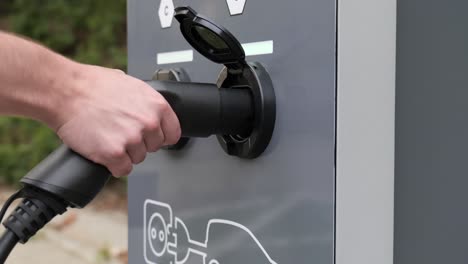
(34, 81)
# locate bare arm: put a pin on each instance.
(104, 114)
(32, 80)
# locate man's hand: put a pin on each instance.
(103, 114)
(114, 119)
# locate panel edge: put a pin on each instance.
(366, 48)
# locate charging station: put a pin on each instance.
(287, 112)
(319, 186)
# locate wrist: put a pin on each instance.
(67, 94)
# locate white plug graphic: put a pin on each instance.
(167, 240)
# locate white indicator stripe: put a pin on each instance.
(175, 57)
(250, 49)
(258, 48)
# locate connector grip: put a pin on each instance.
(69, 176)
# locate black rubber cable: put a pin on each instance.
(7, 242)
(8, 202)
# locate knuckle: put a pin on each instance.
(116, 153)
(152, 124)
(122, 171)
(140, 159)
(171, 141)
(134, 138)
(173, 138)
(127, 170)
(155, 100)
(115, 173)
(164, 107)
(153, 148)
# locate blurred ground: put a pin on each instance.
(94, 235)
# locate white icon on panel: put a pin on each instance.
(167, 240)
(166, 13)
(236, 7)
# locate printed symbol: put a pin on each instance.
(236, 7)
(168, 240)
(166, 12)
(157, 241)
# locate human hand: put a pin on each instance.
(114, 119)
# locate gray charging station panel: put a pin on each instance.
(431, 212)
(278, 208)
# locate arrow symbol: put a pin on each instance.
(236, 7)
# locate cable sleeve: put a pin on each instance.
(7, 242)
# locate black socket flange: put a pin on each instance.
(220, 46)
(254, 76)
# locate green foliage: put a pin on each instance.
(89, 31)
(23, 143)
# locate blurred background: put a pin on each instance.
(88, 31)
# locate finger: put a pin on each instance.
(170, 127)
(154, 139)
(137, 152)
(120, 167)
